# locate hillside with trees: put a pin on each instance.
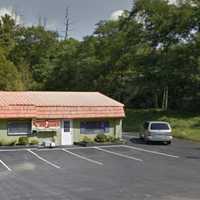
(149, 58)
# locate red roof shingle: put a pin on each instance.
(70, 105)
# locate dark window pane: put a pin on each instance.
(159, 126)
(66, 126)
(19, 127)
(94, 127)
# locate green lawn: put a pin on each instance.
(185, 126)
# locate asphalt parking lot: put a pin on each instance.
(132, 171)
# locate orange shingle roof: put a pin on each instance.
(71, 105)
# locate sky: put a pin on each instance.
(84, 14)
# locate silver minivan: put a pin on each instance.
(156, 131)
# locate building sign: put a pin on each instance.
(46, 123)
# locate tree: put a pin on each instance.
(10, 79)
(165, 27)
(62, 76)
(8, 33)
(35, 49)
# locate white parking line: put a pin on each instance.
(6, 166)
(44, 160)
(82, 157)
(92, 147)
(12, 150)
(119, 154)
(149, 151)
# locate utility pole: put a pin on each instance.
(67, 23)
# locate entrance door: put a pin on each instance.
(66, 135)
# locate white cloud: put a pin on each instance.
(116, 14)
(10, 11)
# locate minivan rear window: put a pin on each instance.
(159, 126)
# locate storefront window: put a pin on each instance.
(94, 127)
(19, 127)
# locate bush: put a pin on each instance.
(101, 138)
(12, 142)
(112, 139)
(87, 140)
(23, 141)
(34, 141)
(8, 142)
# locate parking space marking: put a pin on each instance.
(6, 166)
(119, 154)
(149, 151)
(83, 157)
(12, 150)
(43, 159)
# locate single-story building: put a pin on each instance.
(62, 117)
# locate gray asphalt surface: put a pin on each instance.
(112, 173)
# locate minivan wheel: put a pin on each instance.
(141, 137)
(167, 143)
(147, 141)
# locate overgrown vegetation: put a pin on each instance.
(87, 140)
(185, 125)
(34, 141)
(99, 138)
(23, 141)
(102, 138)
(149, 58)
(8, 142)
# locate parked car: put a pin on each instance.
(156, 131)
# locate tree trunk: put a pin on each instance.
(165, 98)
(156, 100)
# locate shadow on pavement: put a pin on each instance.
(193, 157)
(140, 141)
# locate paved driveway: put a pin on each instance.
(133, 171)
